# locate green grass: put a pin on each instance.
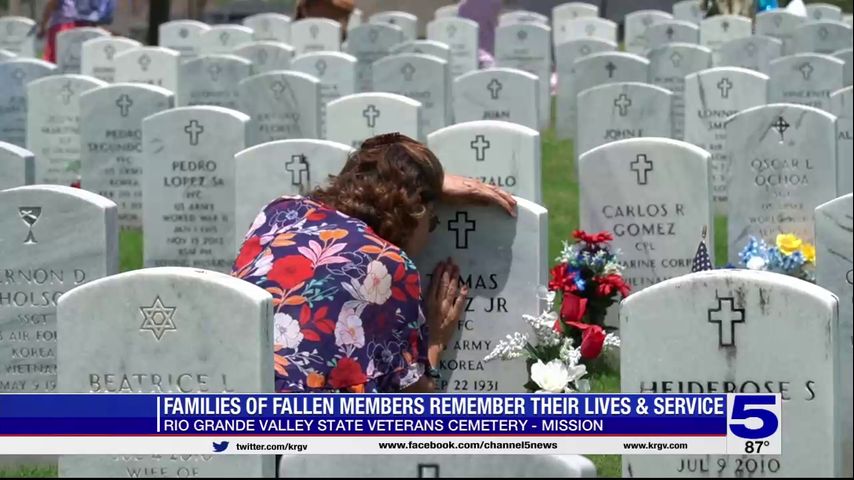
(30, 472)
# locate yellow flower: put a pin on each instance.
(808, 250)
(788, 243)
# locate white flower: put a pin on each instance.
(756, 263)
(263, 265)
(512, 347)
(377, 286)
(286, 331)
(552, 377)
(349, 331)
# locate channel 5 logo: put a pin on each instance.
(754, 424)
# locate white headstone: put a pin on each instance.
(424, 78)
(99, 55)
(623, 110)
(223, 38)
(847, 56)
(17, 166)
(522, 16)
(211, 80)
(498, 153)
(6, 55)
(369, 43)
(737, 331)
(712, 96)
(282, 105)
(834, 222)
(841, 103)
(572, 10)
(285, 167)
(823, 11)
(182, 36)
(755, 52)
(426, 47)
(274, 27)
(315, 35)
(446, 11)
(52, 239)
(653, 195)
(826, 36)
(668, 66)
(783, 164)
(719, 29)
(17, 35)
(266, 56)
(354, 118)
(177, 329)
(671, 31)
(504, 94)
(461, 36)
(111, 154)
(806, 79)
(779, 24)
(336, 72)
(689, 10)
(69, 46)
(357, 19)
(585, 28)
(597, 69)
(565, 56)
(407, 22)
(152, 65)
(14, 77)
(53, 126)
(504, 260)
(428, 466)
(188, 186)
(527, 46)
(635, 25)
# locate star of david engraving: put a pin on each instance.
(30, 215)
(124, 103)
(725, 315)
(462, 226)
(158, 319)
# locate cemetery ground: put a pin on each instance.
(560, 191)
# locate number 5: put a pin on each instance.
(770, 423)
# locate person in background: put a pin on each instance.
(349, 311)
(338, 10)
(485, 13)
(59, 15)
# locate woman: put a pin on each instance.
(338, 10)
(347, 298)
(61, 15)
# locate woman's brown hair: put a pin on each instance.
(388, 183)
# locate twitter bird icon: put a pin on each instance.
(220, 447)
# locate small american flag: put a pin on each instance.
(702, 262)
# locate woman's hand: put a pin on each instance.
(445, 302)
(458, 189)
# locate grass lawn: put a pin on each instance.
(560, 191)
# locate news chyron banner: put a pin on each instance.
(643, 424)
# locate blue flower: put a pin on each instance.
(579, 282)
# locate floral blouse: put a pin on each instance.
(347, 303)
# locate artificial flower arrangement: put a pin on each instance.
(790, 256)
(589, 280)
